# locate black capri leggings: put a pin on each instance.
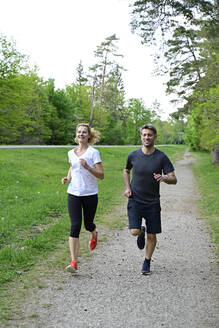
(75, 206)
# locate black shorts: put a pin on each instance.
(150, 212)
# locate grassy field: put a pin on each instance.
(33, 219)
(207, 177)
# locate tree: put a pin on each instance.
(169, 132)
(185, 63)
(203, 122)
(189, 34)
(12, 108)
(79, 86)
(63, 115)
(114, 108)
(80, 97)
(137, 116)
(105, 54)
(114, 94)
(12, 62)
(81, 78)
(93, 76)
(150, 17)
(20, 116)
(180, 23)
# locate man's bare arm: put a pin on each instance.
(170, 178)
(126, 177)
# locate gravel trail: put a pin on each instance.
(109, 292)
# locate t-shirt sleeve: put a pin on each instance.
(96, 157)
(128, 163)
(167, 165)
(69, 159)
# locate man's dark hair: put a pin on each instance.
(150, 127)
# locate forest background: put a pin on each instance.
(185, 35)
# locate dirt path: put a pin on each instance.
(109, 291)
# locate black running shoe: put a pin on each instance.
(141, 239)
(145, 268)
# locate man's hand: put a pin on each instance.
(170, 178)
(159, 177)
(127, 193)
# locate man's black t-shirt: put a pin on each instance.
(143, 185)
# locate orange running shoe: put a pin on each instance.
(72, 267)
(93, 242)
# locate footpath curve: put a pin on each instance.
(109, 292)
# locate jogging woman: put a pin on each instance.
(85, 168)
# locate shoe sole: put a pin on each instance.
(71, 269)
(145, 273)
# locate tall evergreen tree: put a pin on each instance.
(81, 78)
(105, 53)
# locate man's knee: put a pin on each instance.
(135, 232)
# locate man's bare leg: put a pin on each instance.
(150, 245)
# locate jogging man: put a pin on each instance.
(149, 166)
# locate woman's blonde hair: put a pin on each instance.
(94, 136)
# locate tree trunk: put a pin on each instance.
(92, 103)
(102, 88)
(92, 109)
(215, 154)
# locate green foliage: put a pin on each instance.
(80, 96)
(170, 132)
(191, 49)
(12, 61)
(185, 64)
(137, 115)
(112, 133)
(106, 75)
(203, 122)
(81, 78)
(202, 105)
(152, 16)
(21, 115)
(207, 176)
(33, 111)
(63, 115)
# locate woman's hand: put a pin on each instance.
(97, 171)
(64, 180)
(83, 163)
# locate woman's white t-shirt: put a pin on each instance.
(83, 183)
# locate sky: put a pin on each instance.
(58, 34)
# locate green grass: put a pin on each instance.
(33, 218)
(207, 177)
(34, 223)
